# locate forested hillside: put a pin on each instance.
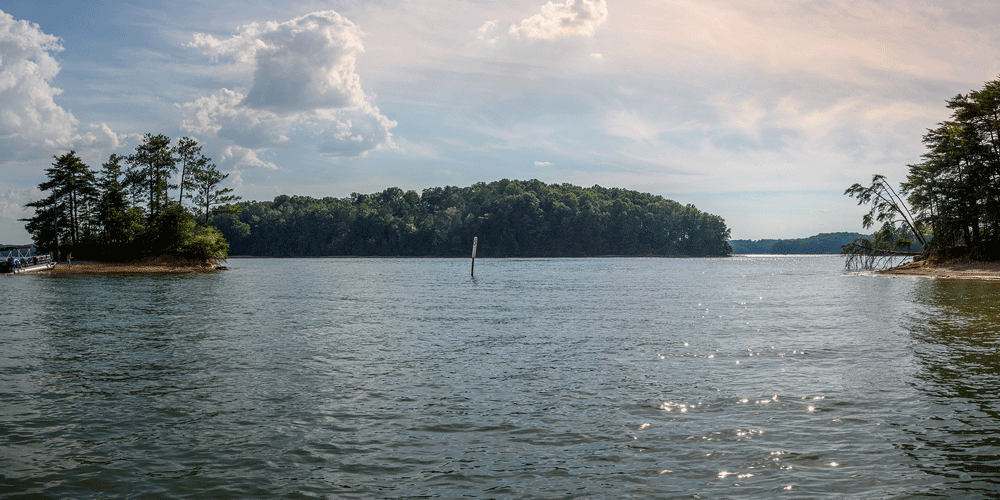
(823, 243)
(744, 247)
(511, 218)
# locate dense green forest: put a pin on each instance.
(823, 243)
(953, 193)
(510, 218)
(126, 210)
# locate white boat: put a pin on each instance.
(22, 259)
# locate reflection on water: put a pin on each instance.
(956, 330)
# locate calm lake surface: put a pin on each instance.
(755, 376)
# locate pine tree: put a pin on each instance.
(155, 160)
(205, 192)
(64, 216)
(119, 222)
(191, 160)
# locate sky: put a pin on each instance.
(762, 112)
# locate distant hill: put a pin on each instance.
(823, 243)
(751, 246)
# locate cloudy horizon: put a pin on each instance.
(759, 112)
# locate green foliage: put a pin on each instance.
(104, 218)
(205, 192)
(120, 223)
(511, 218)
(175, 232)
(188, 153)
(207, 243)
(170, 231)
(886, 206)
(64, 217)
(155, 161)
(894, 238)
(954, 191)
(230, 223)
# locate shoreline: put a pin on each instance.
(951, 269)
(144, 266)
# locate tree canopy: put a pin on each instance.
(127, 213)
(952, 196)
(510, 217)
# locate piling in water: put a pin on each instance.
(475, 241)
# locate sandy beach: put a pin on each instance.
(955, 269)
(144, 266)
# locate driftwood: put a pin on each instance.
(866, 258)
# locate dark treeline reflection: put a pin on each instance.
(511, 218)
(956, 335)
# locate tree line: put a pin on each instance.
(125, 210)
(823, 243)
(952, 196)
(510, 217)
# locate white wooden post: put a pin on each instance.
(475, 241)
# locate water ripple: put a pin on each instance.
(541, 378)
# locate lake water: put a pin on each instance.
(755, 376)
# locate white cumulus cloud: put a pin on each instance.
(244, 158)
(32, 125)
(222, 114)
(303, 80)
(356, 132)
(572, 18)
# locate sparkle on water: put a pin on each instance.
(586, 378)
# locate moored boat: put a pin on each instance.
(22, 259)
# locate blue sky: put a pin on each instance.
(762, 112)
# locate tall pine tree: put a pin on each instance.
(63, 217)
(206, 193)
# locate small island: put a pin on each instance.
(125, 219)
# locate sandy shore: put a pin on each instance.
(956, 269)
(145, 266)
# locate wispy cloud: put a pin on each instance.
(12, 208)
(485, 29)
(12, 202)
